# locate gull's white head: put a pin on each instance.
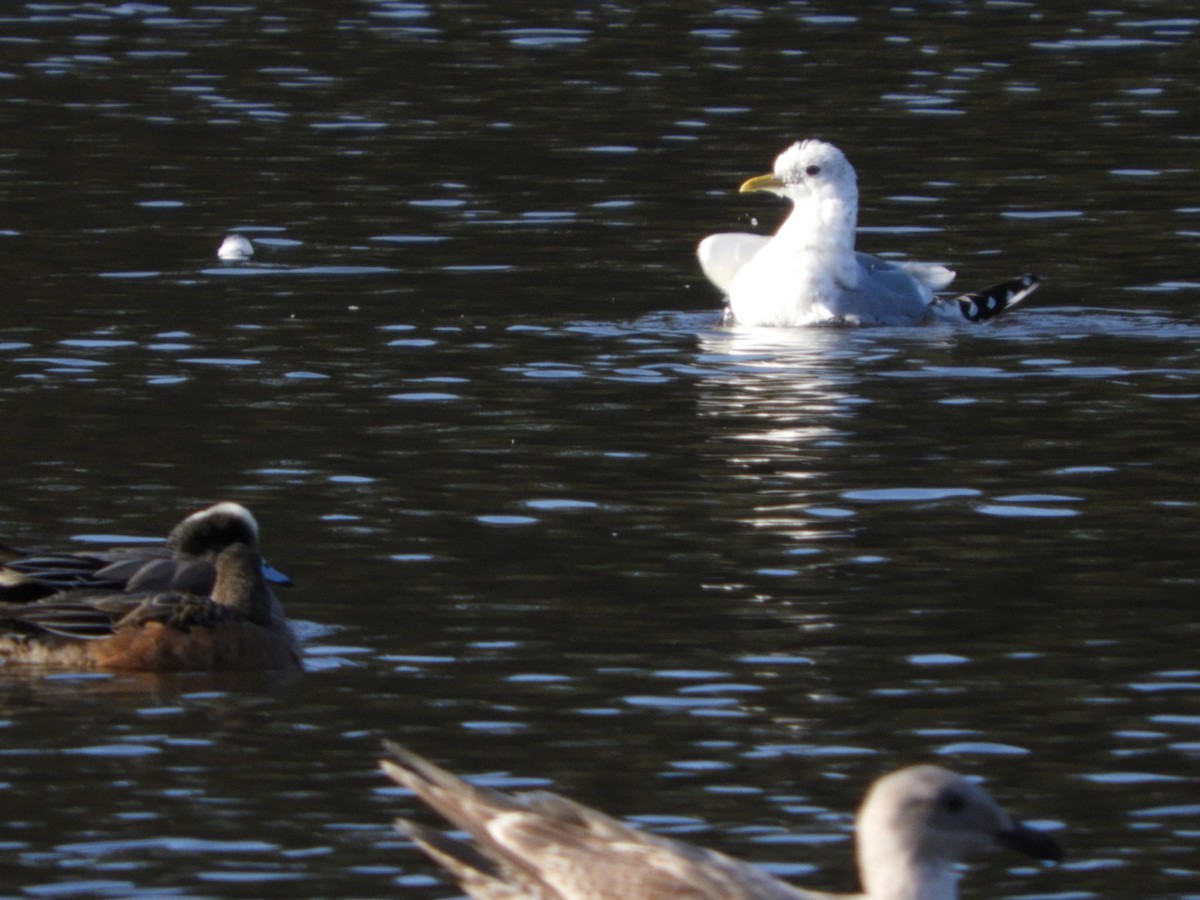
(809, 168)
(920, 821)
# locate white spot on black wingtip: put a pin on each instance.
(980, 306)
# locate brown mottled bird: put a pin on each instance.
(915, 825)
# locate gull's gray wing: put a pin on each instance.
(887, 293)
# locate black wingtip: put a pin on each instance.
(979, 306)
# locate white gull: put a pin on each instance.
(808, 273)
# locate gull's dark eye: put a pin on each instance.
(812, 170)
(954, 802)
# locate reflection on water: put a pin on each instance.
(541, 527)
(549, 523)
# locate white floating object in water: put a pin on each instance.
(235, 247)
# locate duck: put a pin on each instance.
(808, 272)
(914, 827)
(184, 563)
(240, 626)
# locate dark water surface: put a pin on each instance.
(547, 522)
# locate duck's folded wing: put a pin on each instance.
(29, 577)
(86, 615)
(74, 618)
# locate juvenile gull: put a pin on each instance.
(915, 825)
(808, 273)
